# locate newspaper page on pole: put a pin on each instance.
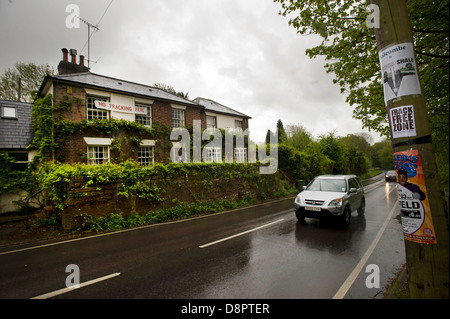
(399, 70)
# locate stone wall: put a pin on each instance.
(104, 200)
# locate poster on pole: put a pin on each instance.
(399, 70)
(415, 211)
(402, 121)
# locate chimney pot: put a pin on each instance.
(73, 54)
(81, 60)
(65, 54)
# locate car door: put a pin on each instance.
(355, 198)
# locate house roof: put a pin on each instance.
(213, 106)
(17, 133)
(112, 84)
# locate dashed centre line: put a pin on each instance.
(240, 234)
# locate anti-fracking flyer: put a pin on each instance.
(402, 121)
(415, 211)
(399, 70)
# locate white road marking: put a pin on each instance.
(84, 284)
(340, 294)
(240, 234)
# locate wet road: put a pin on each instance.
(258, 252)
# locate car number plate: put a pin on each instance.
(315, 209)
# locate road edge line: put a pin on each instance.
(340, 294)
(84, 284)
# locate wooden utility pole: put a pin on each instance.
(428, 263)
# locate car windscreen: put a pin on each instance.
(328, 185)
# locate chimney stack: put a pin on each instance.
(65, 54)
(67, 67)
(73, 54)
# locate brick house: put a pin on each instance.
(97, 97)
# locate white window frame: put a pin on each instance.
(212, 154)
(149, 156)
(240, 155)
(238, 124)
(178, 117)
(94, 150)
(144, 119)
(92, 112)
(209, 119)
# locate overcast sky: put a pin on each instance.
(239, 53)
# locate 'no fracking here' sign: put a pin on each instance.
(120, 108)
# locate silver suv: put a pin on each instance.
(331, 195)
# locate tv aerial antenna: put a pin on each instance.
(95, 27)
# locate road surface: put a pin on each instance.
(260, 252)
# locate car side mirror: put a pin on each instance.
(304, 187)
(353, 190)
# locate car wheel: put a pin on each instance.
(346, 216)
(362, 208)
(300, 216)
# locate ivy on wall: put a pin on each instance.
(51, 130)
(12, 180)
(134, 179)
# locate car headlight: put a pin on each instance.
(336, 202)
(298, 200)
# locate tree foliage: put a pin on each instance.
(171, 90)
(298, 137)
(30, 77)
(350, 51)
(281, 133)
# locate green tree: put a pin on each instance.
(381, 155)
(298, 137)
(359, 142)
(171, 90)
(358, 162)
(282, 136)
(269, 135)
(334, 149)
(349, 48)
(358, 152)
(30, 77)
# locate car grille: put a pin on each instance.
(314, 202)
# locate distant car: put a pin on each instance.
(391, 176)
(331, 196)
